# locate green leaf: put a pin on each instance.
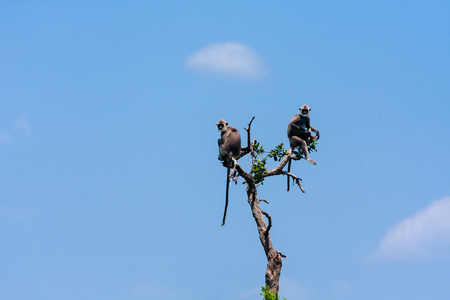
(269, 295)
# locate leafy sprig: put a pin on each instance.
(278, 152)
(269, 295)
(259, 161)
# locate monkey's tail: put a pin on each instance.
(289, 170)
(228, 187)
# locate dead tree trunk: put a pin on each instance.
(274, 257)
(274, 261)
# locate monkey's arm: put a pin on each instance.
(316, 131)
(296, 126)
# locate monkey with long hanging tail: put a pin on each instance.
(229, 149)
(299, 133)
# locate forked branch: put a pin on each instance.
(296, 180)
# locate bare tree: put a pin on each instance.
(253, 179)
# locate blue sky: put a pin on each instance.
(110, 186)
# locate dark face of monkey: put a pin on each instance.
(304, 110)
(222, 125)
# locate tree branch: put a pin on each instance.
(279, 169)
(270, 222)
(247, 176)
(248, 149)
(297, 181)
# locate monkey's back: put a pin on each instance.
(231, 142)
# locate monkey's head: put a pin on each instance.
(222, 125)
(304, 110)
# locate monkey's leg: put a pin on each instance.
(305, 151)
(302, 144)
(227, 189)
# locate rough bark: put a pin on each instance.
(274, 257)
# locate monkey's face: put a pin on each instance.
(304, 110)
(222, 125)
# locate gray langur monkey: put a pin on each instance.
(229, 150)
(299, 133)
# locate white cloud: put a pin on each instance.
(4, 137)
(422, 235)
(22, 124)
(21, 127)
(229, 58)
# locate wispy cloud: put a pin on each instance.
(228, 58)
(22, 124)
(421, 235)
(4, 137)
(20, 127)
